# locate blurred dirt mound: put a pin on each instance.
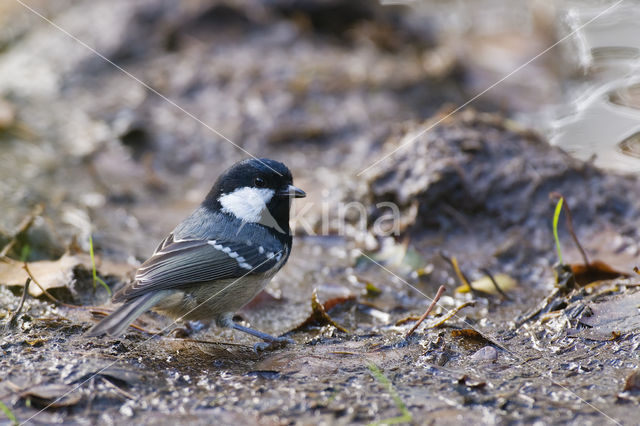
(479, 169)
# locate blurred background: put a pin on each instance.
(116, 117)
(119, 115)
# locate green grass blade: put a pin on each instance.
(7, 412)
(382, 379)
(96, 278)
(24, 253)
(556, 217)
(103, 284)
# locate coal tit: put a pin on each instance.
(218, 258)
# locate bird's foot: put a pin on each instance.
(270, 342)
(188, 329)
(273, 344)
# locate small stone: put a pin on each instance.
(488, 353)
(126, 411)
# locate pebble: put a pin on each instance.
(488, 353)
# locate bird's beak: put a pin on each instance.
(292, 192)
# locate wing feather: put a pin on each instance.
(180, 263)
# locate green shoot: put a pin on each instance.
(96, 278)
(406, 415)
(7, 412)
(25, 252)
(556, 217)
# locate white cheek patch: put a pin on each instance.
(247, 203)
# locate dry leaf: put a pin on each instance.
(608, 320)
(484, 284)
(53, 273)
(595, 271)
(52, 395)
(632, 384)
(319, 315)
(48, 273)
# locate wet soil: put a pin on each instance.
(108, 158)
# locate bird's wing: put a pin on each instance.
(168, 240)
(184, 262)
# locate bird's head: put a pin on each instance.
(255, 191)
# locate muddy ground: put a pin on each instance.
(105, 156)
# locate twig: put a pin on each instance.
(570, 227)
(46, 293)
(495, 283)
(422, 318)
(117, 389)
(456, 269)
(22, 228)
(8, 247)
(453, 313)
(14, 317)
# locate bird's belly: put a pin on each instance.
(211, 300)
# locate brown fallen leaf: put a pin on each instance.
(49, 273)
(595, 271)
(470, 334)
(50, 395)
(53, 273)
(319, 316)
(337, 302)
(632, 384)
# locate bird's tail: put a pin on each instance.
(119, 320)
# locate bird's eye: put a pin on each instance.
(259, 182)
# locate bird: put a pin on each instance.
(220, 256)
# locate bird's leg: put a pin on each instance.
(270, 342)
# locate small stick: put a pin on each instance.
(453, 313)
(14, 317)
(431, 306)
(117, 389)
(144, 330)
(46, 293)
(453, 261)
(495, 283)
(22, 228)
